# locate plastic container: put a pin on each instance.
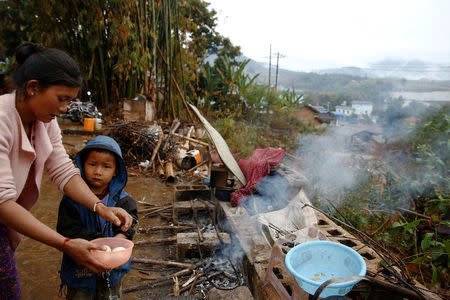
(312, 263)
(113, 259)
(89, 124)
(98, 123)
(196, 154)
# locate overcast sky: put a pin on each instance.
(314, 34)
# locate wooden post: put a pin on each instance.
(160, 171)
(170, 177)
(155, 150)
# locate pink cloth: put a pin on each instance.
(256, 168)
(22, 165)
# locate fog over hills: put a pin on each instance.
(425, 82)
(432, 80)
(407, 69)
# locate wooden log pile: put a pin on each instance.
(160, 148)
(137, 140)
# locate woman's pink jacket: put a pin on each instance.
(17, 156)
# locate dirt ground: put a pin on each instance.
(39, 264)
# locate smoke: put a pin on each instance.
(327, 162)
(273, 192)
(339, 162)
(389, 166)
(353, 165)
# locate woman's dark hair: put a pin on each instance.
(46, 65)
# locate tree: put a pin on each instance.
(233, 85)
(15, 24)
(124, 47)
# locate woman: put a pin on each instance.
(30, 141)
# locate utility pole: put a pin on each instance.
(276, 76)
(276, 73)
(270, 62)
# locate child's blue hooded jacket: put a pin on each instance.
(76, 221)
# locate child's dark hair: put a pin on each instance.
(46, 65)
(86, 152)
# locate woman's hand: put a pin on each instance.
(79, 251)
(117, 215)
(77, 190)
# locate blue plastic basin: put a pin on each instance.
(314, 262)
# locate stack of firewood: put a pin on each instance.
(161, 148)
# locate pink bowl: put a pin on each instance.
(113, 259)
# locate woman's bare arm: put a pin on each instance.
(78, 191)
(18, 218)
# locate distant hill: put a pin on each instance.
(427, 77)
(407, 69)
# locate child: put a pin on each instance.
(101, 166)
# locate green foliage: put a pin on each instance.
(226, 85)
(290, 99)
(415, 173)
(238, 135)
(255, 98)
(434, 251)
(235, 84)
(5, 65)
(15, 25)
(124, 47)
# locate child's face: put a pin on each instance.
(99, 169)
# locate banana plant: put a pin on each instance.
(236, 82)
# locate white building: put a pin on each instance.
(362, 108)
(345, 110)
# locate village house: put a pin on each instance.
(362, 108)
(345, 110)
(358, 108)
(314, 115)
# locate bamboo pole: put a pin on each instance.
(178, 87)
(147, 210)
(159, 210)
(190, 139)
(170, 177)
(163, 263)
(160, 171)
(200, 281)
(153, 79)
(176, 286)
(155, 150)
(166, 227)
(156, 241)
(182, 150)
(157, 281)
(194, 282)
(197, 166)
(156, 208)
